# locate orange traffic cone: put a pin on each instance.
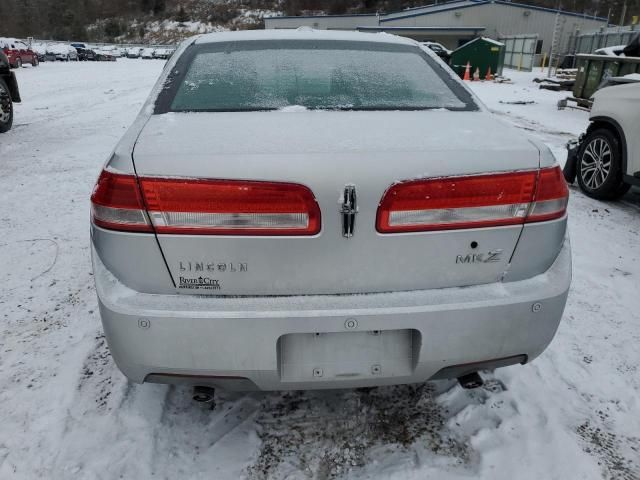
(476, 74)
(467, 72)
(488, 76)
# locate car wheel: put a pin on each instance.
(18, 63)
(600, 166)
(35, 62)
(6, 107)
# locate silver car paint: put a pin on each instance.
(222, 336)
(326, 151)
(203, 337)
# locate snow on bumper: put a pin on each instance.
(178, 337)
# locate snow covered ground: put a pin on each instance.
(66, 411)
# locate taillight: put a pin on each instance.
(473, 201)
(551, 198)
(230, 207)
(116, 204)
(205, 207)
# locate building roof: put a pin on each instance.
(460, 4)
(383, 28)
(443, 7)
(434, 7)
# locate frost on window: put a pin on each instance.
(314, 78)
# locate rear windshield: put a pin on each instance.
(317, 75)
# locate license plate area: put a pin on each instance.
(347, 355)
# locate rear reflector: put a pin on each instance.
(473, 201)
(116, 204)
(230, 207)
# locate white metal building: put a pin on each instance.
(456, 22)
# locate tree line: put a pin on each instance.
(67, 19)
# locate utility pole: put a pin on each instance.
(624, 13)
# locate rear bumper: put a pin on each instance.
(196, 339)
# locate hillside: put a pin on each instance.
(163, 21)
(143, 21)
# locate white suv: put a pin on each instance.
(606, 158)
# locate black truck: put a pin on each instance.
(9, 93)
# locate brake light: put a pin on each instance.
(552, 196)
(116, 204)
(473, 201)
(230, 207)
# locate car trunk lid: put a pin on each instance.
(331, 153)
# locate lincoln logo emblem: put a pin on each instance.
(349, 210)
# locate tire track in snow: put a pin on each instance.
(619, 455)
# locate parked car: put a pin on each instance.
(49, 55)
(18, 52)
(82, 51)
(163, 53)
(9, 93)
(110, 51)
(133, 52)
(85, 54)
(147, 53)
(62, 52)
(606, 158)
(104, 55)
(439, 49)
(224, 262)
(41, 51)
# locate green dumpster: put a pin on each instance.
(594, 69)
(482, 53)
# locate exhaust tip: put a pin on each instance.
(203, 394)
(471, 380)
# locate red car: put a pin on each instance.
(18, 52)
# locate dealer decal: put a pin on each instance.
(200, 283)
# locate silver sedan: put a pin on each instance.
(306, 209)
